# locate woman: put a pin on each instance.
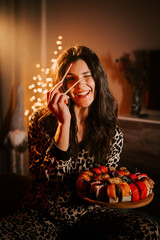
(78, 132)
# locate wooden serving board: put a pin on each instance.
(121, 205)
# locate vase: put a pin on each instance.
(136, 101)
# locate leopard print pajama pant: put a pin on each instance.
(97, 223)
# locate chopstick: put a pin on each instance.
(73, 86)
(66, 72)
(63, 78)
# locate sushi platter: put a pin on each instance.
(115, 188)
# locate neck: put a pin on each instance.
(81, 114)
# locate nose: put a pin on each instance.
(81, 83)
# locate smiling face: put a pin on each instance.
(83, 93)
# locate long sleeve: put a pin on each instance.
(46, 161)
(116, 149)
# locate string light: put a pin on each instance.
(58, 42)
(34, 90)
(31, 86)
(32, 98)
(42, 82)
(44, 85)
(38, 65)
(47, 71)
(26, 112)
(39, 77)
(59, 47)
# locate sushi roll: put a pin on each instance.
(151, 182)
(127, 179)
(114, 174)
(122, 168)
(96, 170)
(111, 169)
(95, 182)
(99, 177)
(146, 182)
(114, 180)
(89, 173)
(135, 192)
(102, 176)
(83, 181)
(101, 193)
(142, 175)
(111, 193)
(93, 190)
(133, 176)
(126, 193)
(105, 176)
(142, 188)
(103, 169)
(123, 172)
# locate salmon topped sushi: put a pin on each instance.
(125, 192)
(135, 192)
(142, 188)
(103, 169)
(111, 192)
(146, 182)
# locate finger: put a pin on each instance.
(59, 98)
(66, 101)
(62, 103)
(56, 98)
(57, 86)
(48, 96)
(53, 102)
(55, 89)
(49, 93)
(63, 99)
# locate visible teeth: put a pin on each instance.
(82, 93)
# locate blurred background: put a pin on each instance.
(30, 29)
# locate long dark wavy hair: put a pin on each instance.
(102, 116)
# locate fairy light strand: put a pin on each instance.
(42, 82)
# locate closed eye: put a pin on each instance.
(70, 79)
(87, 76)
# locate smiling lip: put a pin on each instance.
(82, 94)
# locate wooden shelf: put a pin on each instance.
(146, 116)
(138, 119)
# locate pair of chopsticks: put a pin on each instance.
(68, 90)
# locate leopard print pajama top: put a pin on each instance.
(55, 171)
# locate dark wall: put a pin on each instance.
(153, 96)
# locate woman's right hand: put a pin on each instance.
(57, 104)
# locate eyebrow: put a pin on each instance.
(81, 74)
